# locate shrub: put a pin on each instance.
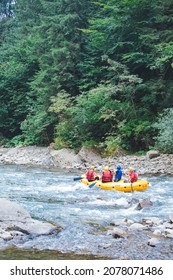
(164, 139)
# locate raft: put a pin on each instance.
(121, 186)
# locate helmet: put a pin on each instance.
(106, 168)
(92, 167)
(130, 168)
(118, 167)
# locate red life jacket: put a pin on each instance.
(107, 176)
(133, 177)
(90, 175)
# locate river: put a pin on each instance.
(83, 214)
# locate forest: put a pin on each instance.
(87, 73)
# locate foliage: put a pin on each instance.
(111, 146)
(164, 139)
(82, 72)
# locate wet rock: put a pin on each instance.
(137, 226)
(153, 242)
(6, 235)
(119, 233)
(10, 211)
(168, 225)
(144, 203)
(16, 233)
(106, 246)
(157, 233)
(114, 223)
(128, 221)
(15, 221)
(152, 220)
(168, 233)
(171, 219)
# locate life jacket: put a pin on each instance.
(107, 176)
(90, 175)
(133, 176)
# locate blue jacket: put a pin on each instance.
(118, 175)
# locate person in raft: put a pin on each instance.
(133, 175)
(91, 175)
(118, 174)
(107, 175)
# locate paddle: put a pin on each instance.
(92, 185)
(77, 178)
(131, 187)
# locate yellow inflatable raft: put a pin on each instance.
(139, 185)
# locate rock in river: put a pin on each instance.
(15, 221)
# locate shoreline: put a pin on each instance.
(68, 161)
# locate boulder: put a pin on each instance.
(144, 203)
(118, 233)
(153, 241)
(168, 233)
(11, 211)
(157, 233)
(152, 154)
(152, 220)
(137, 226)
(16, 221)
(30, 155)
(65, 158)
(89, 155)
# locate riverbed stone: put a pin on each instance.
(146, 202)
(168, 233)
(14, 220)
(153, 241)
(118, 232)
(137, 226)
(152, 220)
(168, 225)
(6, 235)
(171, 219)
(67, 159)
(157, 233)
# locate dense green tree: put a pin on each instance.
(85, 71)
(164, 125)
(18, 64)
(59, 49)
(134, 33)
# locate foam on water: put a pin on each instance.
(79, 210)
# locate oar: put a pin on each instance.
(131, 187)
(77, 178)
(92, 185)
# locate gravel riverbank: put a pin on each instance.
(153, 163)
